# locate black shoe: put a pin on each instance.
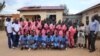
(91, 50)
(22, 48)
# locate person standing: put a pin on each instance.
(93, 27)
(81, 36)
(86, 34)
(8, 28)
(16, 28)
(71, 32)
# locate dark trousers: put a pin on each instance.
(10, 40)
(86, 39)
(75, 37)
(92, 39)
(16, 40)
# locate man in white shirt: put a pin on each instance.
(16, 28)
(86, 34)
(8, 28)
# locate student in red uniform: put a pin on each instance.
(64, 28)
(58, 26)
(39, 24)
(26, 22)
(21, 21)
(61, 33)
(71, 32)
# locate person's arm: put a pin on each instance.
(5, 27)
(13, 28)
(97, 27)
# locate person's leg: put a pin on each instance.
(14, 40)
(93, 43)
(89, 41)
(15, 45)
(72, 41)
(69, 40)
(75, 37)
(17, 40)
(86, 36)
(9, 40)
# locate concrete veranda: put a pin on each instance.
(5, 51)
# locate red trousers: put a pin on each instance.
(71, 40)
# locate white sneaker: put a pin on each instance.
(29, 49)
(13, 47)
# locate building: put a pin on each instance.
(14, 16)
(72, 17)
(89, 13)
(43, 12)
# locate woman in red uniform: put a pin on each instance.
(71, 32)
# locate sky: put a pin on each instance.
(74, 6)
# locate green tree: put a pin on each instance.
(2, 5)
(66, 10)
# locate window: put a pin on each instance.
(87, 19)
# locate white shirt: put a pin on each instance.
(8, 25)
(87, 30)
(82, 28)
(99, 27)
(16, 28)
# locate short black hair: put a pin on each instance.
(8, 19)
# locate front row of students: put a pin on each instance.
(35, 41)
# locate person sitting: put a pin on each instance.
(23, 41)
(32, 41)
(56, 41)
(63, 42)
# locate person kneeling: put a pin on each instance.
(32, 42)
(63, 42)
(23, 41)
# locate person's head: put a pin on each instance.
(96, 17)
(21, 19)
(73, 25)
(15, 21)
(82, 24)
(33, 19)
(8, 19)
(27, 19)
(93, 19)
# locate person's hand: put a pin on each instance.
(94, 32)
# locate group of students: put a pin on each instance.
(36, 34)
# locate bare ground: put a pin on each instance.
(5, 51)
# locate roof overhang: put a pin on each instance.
(93, 7)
